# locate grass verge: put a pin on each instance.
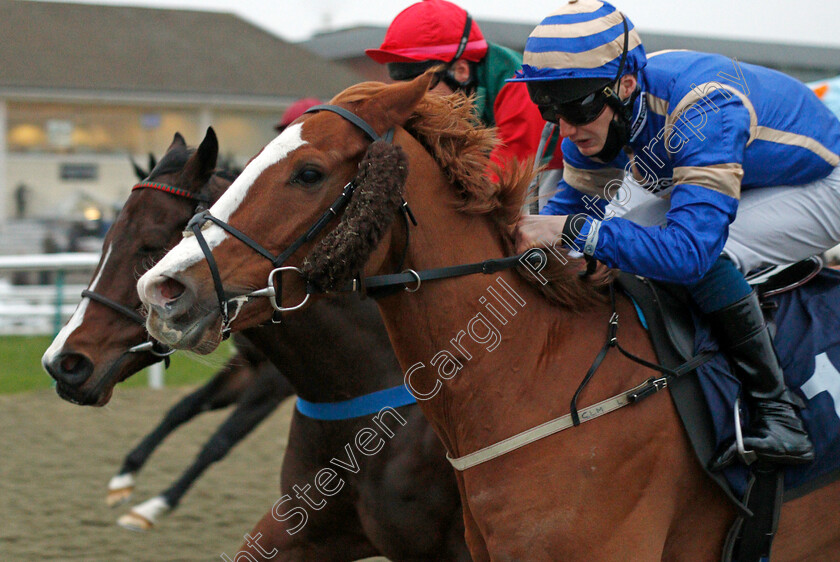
(21, 371)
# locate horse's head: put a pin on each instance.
(265, 220)
(105, 341)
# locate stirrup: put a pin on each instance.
(748, 457)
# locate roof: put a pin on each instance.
(52, 47)
(806, 62)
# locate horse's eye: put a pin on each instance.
(149, 249)
(308, 176)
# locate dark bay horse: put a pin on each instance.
(490, 356)
(401, 502)
(247, 379)
(88, 357)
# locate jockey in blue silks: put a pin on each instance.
(745, 163)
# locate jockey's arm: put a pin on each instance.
(704, 201)
(707, 176)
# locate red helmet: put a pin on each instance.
(429, 30)
(294, 111)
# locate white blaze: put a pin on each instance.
(78, 316)
(188, 252)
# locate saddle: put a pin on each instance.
(665, 310)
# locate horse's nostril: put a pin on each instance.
(69, 362)
(72, 369)
(171, 289)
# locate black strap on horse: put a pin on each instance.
(751, 538)
(411, 277)
(198, 221)
(153, 346)
(612, 341)
(156, 348)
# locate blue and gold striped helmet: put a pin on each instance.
(582, 41)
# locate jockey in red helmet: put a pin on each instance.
(432, 32)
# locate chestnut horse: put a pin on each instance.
(401, 502)
(626, 485)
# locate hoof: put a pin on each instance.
(145, 515)
(116, 498)
(134, 522)
(120, 489)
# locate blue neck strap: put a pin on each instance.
(357, 407)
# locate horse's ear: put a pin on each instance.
(202, 163)
(394, 104)
(138, 171)
(153, 160)
(177, 142)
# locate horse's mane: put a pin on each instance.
(449, 130)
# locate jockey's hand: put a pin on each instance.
(538, 231)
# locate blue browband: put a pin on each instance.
(357, 407)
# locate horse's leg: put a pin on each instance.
(270, 540)
(244, 418)
(257, 403)
(217, 393)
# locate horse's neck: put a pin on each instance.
(505, 336)
(337, 349)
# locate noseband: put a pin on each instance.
(156, 348)
(274, 289)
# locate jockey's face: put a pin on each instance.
(591, 137)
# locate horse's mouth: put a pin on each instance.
(93, 397)
(187, 333)
(97, 393)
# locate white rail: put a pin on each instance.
(43, 309)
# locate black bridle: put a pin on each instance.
(274, 289)
(154, 347)
(377, 286)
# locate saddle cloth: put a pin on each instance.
(808, 343)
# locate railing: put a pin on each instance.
(43, 309)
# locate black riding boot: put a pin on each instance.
(776, 432)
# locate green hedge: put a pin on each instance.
(21, 371)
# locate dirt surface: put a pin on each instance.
(56, 460)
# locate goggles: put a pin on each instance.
(577, 111)
(403, 71)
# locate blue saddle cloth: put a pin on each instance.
(808, 344)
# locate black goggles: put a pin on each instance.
(402, 71)
(579, 111)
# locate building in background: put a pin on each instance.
(82, 87)
(807, 63)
